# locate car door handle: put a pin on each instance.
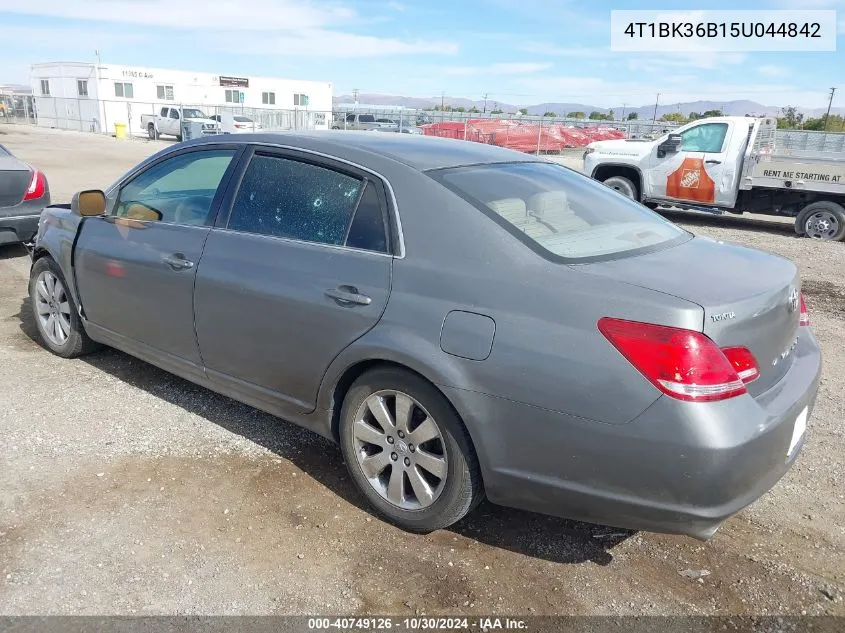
(177, 261)
(712, 162)
(348, 295)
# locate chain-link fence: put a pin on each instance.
(549, 134)
(16, 108)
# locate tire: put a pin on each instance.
(178, 138)
(822, 220)
(444, 500)
(334, 127)
(651, 205)
(624, 186)
(151, 132)
(54, 301)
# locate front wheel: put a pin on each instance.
(56, 318)
(407, 451)
(823, 220)
(623, 186)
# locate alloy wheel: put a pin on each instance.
(400, 449)
(52, 308)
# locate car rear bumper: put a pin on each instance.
(18, 228)
(679, 467)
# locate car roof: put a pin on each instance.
(416, 151)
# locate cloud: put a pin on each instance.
(683, 61)
(293, 28)
(770, 70)
(270, 15)
(544, 48)
(513, 68)
(396, 6)
(325, 43)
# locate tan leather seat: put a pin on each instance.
(553, 208)
(512, 209)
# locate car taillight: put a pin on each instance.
(804, 319)
(37, 184)
(743, 361)
(684, 364)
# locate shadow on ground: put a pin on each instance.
(539, 536)
(782, 226)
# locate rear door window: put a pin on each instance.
(292, 199)
(558, 212)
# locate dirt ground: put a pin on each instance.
(125, 490)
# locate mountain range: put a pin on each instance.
(736, 107)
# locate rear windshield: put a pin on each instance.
(242, 119)
(558, 211)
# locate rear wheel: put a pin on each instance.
(623, 186)
(151, 132)
(823, 220)
(56, 317)
(407, 451)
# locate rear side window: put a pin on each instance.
(559, 212)
(288, 198)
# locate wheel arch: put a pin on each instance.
(399, 350)
(607, 170)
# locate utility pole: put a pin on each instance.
(829, 103)
(484, 96)
(656, 101)
(355, 93)
(624, 105)
(442, 99)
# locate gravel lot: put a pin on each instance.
(125, 490)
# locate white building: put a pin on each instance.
(91, 97)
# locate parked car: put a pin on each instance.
(357, 122)
(240, 124)
(24, 192)
(169, 121)
(403, 129)
(462, 319)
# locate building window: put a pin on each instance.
(164, 93)
(82, 87)
(268, 98)
(300, 100)
(234, 96)
(45, 87)
(123, 89)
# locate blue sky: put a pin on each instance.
(516, 51)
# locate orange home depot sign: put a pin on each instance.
(691, 182)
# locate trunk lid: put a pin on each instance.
(750, 298)
(14, 180)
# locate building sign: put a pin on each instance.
(138, 74)
(234, 82)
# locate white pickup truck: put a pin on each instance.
(169, 121)
(727, 164)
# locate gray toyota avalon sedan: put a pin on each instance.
(464, 320)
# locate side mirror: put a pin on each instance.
(671, 145)
(88, 203)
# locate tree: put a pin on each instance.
(791, 116)
(694, 116)
(610, 115)
(474, 110)
(633, 116)
(712, 113)
(673, 116)
(596, 116)
(550, 113)
(459, 109)
(576, 115)
(496, 110)
(523, 111)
